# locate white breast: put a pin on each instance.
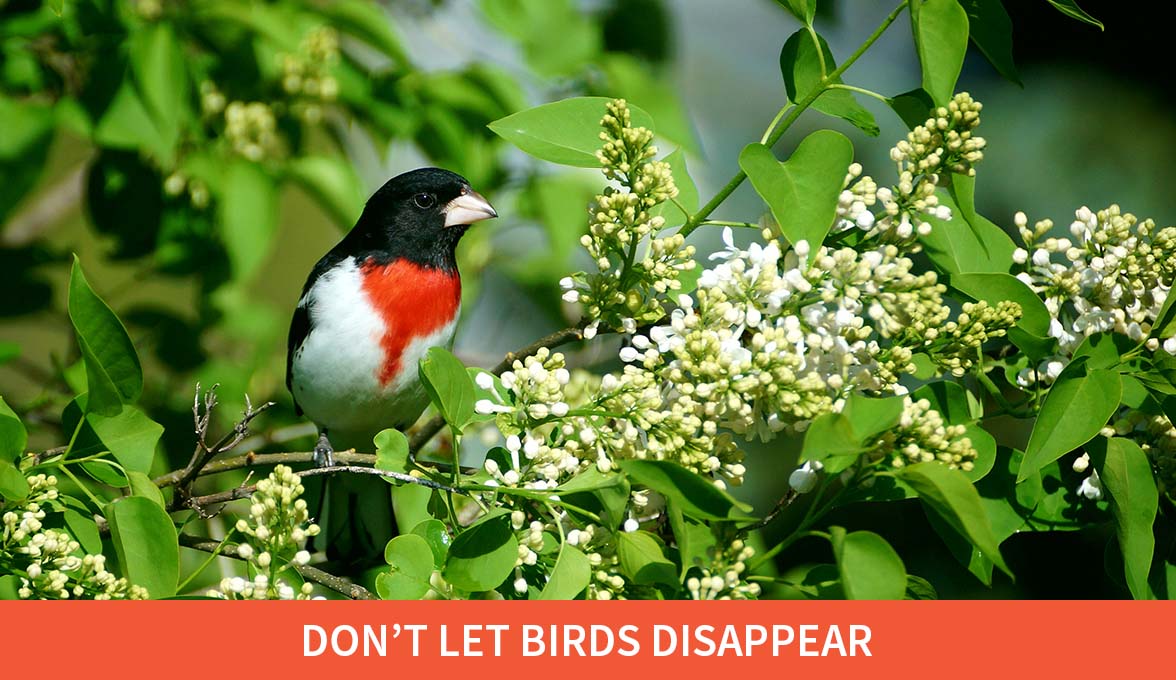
(336, 371)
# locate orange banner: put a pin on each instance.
(834, 639)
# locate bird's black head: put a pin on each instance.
(420, 216)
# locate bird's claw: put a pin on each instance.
(324, 453)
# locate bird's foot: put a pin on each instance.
(324, 453)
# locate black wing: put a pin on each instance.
(299, 329)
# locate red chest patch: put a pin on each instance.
(414, 302)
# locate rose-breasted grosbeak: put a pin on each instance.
(369, 311)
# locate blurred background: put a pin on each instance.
(199, 157)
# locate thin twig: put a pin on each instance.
(199, 503)
(785, 501)
(204, 452)
(335, 583)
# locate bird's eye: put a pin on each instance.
(425, 200)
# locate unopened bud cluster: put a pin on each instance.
(634, 267)
(277, 530)
(922, 436)
(49, 562)
(725, 577)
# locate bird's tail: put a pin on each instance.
(355, 513)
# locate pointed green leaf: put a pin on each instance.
(146, 542)
(113, 372)
(992, 31)
(449, 386)
(996, 287)
(565, 132)
(1127, 476)
(569, 577)
(1077, 406)
(130, 435)
(642, 559)
(697, 497)
(941, 39)
(1071, 9)
(13, 436)
(950, 495)
(249, 216)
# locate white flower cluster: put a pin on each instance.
(277, 531)
(629, 281)
(1117, 274)
(723, 579)
(946, 141)
(49, 561)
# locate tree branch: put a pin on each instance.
(199, 503)
(204, 452)
(327, 580)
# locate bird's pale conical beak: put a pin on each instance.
(468, 208)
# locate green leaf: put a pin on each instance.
(13, 436)
(697, 497)
(642, 560)
(1077, 406)
(973, 244)
(411, 561)
(802, 191)
(130, 435)
(831, 441)
(113, 372)
(146, 542)
(438, 538)
(608, 491)
(871, 416)
(869, 567)
(449, 385)
(142, 486)
(248, 216)
(127, 124)
(569, 577)
(13, 484)
(1126, 474)
(941, 39)
(801, 67)
(24, 148)
(482, 556)
(992, 32)
(687, 192)
(1104, 350)
(914, 107)
(332, 182)
(693, 538)
(995, 287)
(954, 403)
(8, 350)
(805, 10)
(950, 495)
(985, 445)
(83, 528)
(160, 71)
(391, 452)
(368, 22)
(1071, 9)
(565, 132)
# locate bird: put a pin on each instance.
(370, 309)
